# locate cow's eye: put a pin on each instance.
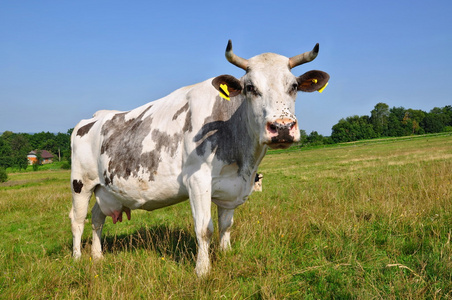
(294, 88)
(250, 89)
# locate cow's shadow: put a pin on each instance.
(169, 243)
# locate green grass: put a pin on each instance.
(57, 165)
(363, 220)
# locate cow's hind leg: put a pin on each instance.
(80, 201)
(225, 220)
(98, 220)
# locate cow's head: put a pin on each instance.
(270, 89)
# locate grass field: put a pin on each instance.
(362, 221)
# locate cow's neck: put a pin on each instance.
(231, 136)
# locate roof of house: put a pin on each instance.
(44, 154)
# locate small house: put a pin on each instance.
(46, 157)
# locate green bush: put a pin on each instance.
(66, 165)
(3, 175)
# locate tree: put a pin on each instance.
(361, 127)
(5, 153)
(396, 115)
(315, 139)
(303, 137)
(352, 129)
(437, 119)
(447, 110)
(418, 116)
(341, 132)
(432, 123)
(411, 121)
(20, 148)
(394, 127)
(3, 175)
(49, 145)
(379, 118)
(63, 141)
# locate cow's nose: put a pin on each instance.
(281, 127)
(282, 133)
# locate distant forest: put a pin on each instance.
(385, 122)
(382, 122)
(14, 147)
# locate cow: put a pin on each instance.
(258, 182)
(202, 142)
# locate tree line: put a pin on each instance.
(14, 147)
(392, 122)
(384, 122)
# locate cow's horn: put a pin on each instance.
(234, 59)
(304, 58)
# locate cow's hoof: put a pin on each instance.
(97, 256)
(202, 271)
(225, 246)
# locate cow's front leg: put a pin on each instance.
(200, 201)
(225, 221)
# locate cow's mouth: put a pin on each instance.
(280, 144)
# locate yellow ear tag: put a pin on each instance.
(224, 93)
(314, 81)
(322, 88)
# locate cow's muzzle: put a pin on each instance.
(281, 133)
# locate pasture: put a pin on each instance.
(366, 221)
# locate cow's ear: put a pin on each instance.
(313, 81)
(227, 85)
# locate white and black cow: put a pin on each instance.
(202, 142)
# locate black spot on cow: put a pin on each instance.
(188, 124)
(181, 110)
(108, 180)
(77, 185)
(166, 141)
(256, 178)
(123, 144)
(227, 131)
(163, 142)
(85, 129)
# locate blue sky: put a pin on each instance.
(63, 60)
